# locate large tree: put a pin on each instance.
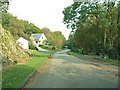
(18, 27)
(94, 25)
(56, 39)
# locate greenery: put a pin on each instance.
(22, 28)
(10, 50)
(48, 47)
(32, 46)
(3, 6)
(108, 60)
(18, 27)
(55, 39)
(105, 60)
(14, 76)
(73, 53)
(95, 27)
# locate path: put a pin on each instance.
(65, 71)
(41, 49)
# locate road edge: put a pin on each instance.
(28, 80)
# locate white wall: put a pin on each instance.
(42, 39)
(23, 43)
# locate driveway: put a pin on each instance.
(66, 71)
(41, 49)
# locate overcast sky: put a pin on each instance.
(43, 13)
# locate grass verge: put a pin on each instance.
(14, 76)
(73, 53)
(105, 60)
(108, 61)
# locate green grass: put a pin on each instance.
(73, 53)
(106, 60)
(16, 75)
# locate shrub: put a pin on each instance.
(32, 46)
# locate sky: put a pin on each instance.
(43, 13)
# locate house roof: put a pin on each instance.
(37, 36)
(21, 39)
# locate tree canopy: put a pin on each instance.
(56, 39)
(22, 28)
(18, 27)
(95, 25)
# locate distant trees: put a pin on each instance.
(30, 28)
(95, 26)
(18, 27)
(22, 28)
(56, 39)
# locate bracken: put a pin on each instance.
(9, 50)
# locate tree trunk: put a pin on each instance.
(105, 38)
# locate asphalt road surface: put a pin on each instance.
(66, 71)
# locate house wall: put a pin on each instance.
(42, 39)
(24, 45)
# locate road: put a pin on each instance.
(65, 71)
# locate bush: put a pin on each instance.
(78, 50)
(32, 46)
(49, 47)
(113, 54)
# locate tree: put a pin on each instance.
(4, 5)
(30, 28)
(118, 27)
(56, 39)
(18, 27)
(94, 25)
(6, 20)
(3, 8)
(49, 35)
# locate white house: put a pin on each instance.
(38, 39)
(23, 43)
